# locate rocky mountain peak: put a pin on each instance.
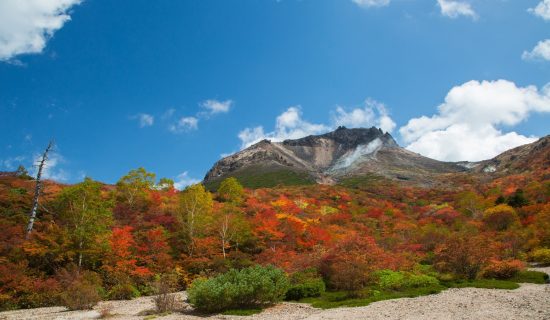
(345, 138)
(328, 157)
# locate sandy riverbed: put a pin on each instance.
(530, 301)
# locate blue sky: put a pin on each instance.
(173, 85)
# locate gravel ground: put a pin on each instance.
(530, 301)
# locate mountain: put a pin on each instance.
(328, 158)
(532, 157)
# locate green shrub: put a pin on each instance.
(421, 280)
(396, 280)
(541, 256)
(123, 291)
(250, 287)
(305, 284)
(528, 276)
(390, 280)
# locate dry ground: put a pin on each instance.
(530, 301)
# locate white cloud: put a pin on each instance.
(51, 169)
(540, 51)
(250, 136)
(184, 124)
(26, 25)
(145, 120)
(288, 125)
(291, 125)
(454, 9)
(542, 9)
(215, 106)
(11, 163)
(168, 114)
(373, 113)
(183, 180)
(466, 126)
(371, 3)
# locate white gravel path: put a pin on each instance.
(530, 301)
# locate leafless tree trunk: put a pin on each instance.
(38, 189)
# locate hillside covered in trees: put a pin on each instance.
(117, 241)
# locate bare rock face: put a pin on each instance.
(329, 157)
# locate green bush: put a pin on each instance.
(250, 287)
(396, 280)
(421, 280)
(528, 276)
(541, 256)
(390, 280)
(123, 291)
(305, 284)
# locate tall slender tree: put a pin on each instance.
(132, 188)
(195, 212)
(38, 188)
(85, 214)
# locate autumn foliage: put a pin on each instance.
(113, 241)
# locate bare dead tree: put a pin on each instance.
(38, 188)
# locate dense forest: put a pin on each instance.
(118, 241)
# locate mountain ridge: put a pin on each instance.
(348, 153)
(331, 157)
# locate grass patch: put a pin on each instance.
(242, 312)
(363, 181)
(482, 283)
(257, 177)
(338, 299)
(530, 277)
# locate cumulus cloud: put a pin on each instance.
(467, 125)
(373, 113)
(27, 25)
(183, 180)
(371, 3)
(250, 136)
(11, 163)
(288, 125)
(454, 9)
(51, 170)
(211, 107)
(542, 10)
(145, 120)
(291, 125)
(215, 106)
(184, 124)
(540, 52)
